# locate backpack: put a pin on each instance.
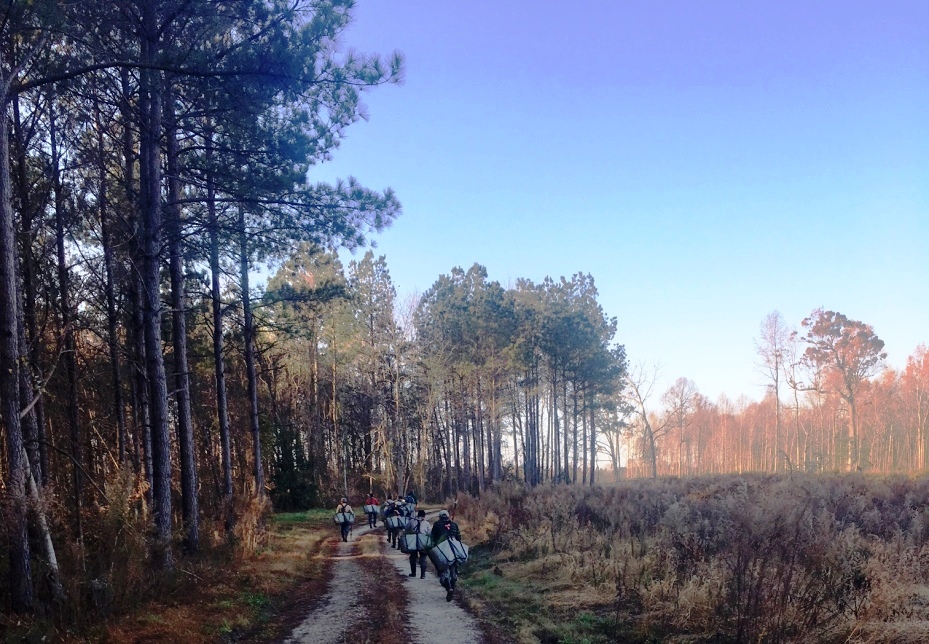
(413, 540)
(410, 529)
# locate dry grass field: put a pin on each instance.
(723, 559)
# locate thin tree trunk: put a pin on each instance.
(477, 419)
(141, 406)
(70, 363)
(185, 431)
(593, 443)
(555, 438)
(219, 364)
(30, 342)
(564, 403)
(110, 294)
(20, 572)
(138, 391)
(497, 433)
(584, 438)
(574, 423)
(250, 357)
(45, 537)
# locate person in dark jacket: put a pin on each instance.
(418, 524)
(391, 509)
(346, 509)
(411, 498)
(445, 528)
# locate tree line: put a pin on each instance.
(831, 404)
(153, 154)
(465, 385)
(471, 383)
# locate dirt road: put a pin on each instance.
(428, 616)
(328, 622)
(431, 618)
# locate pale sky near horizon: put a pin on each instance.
(707, 162)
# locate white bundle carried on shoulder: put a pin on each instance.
(446, 552)
(344, 517)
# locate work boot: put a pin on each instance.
(422, 576)
(449, 595)
(412, 574)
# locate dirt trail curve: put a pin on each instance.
(429, 615)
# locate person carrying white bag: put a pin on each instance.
(345, 517)
(418, 540)
(394, 520)
(445, 530)
(372, 507)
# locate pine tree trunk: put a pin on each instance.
(53, 574)
(574, 417)
(593, 444)
(68, 357)
(141, 406)
(250, 357)
(185, 431)
(564, 434)
(20, 572)
(135, 336)
(110, 294)
(219, 363)
(150, 180)
(34, 434)
(556, 450)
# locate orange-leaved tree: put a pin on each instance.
(849, 351)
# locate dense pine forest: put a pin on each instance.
(195, 332)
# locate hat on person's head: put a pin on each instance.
(421, 513)
(344, 500)
(443, 514)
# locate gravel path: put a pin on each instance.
(431, 618)
(327, 623)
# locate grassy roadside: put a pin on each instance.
(219, 598)
(531, 599)
(522, 602)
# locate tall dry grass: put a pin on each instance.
(110, 572)
(730, 558)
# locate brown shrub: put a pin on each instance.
(731, 558)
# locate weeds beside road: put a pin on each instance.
(722, 559)
(835, 558)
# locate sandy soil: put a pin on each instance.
(330, 621)
(429, 616)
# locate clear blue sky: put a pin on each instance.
(707, 162)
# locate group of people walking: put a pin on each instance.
(409, 531)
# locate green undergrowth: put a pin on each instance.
(306, 516)
(516, 603)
